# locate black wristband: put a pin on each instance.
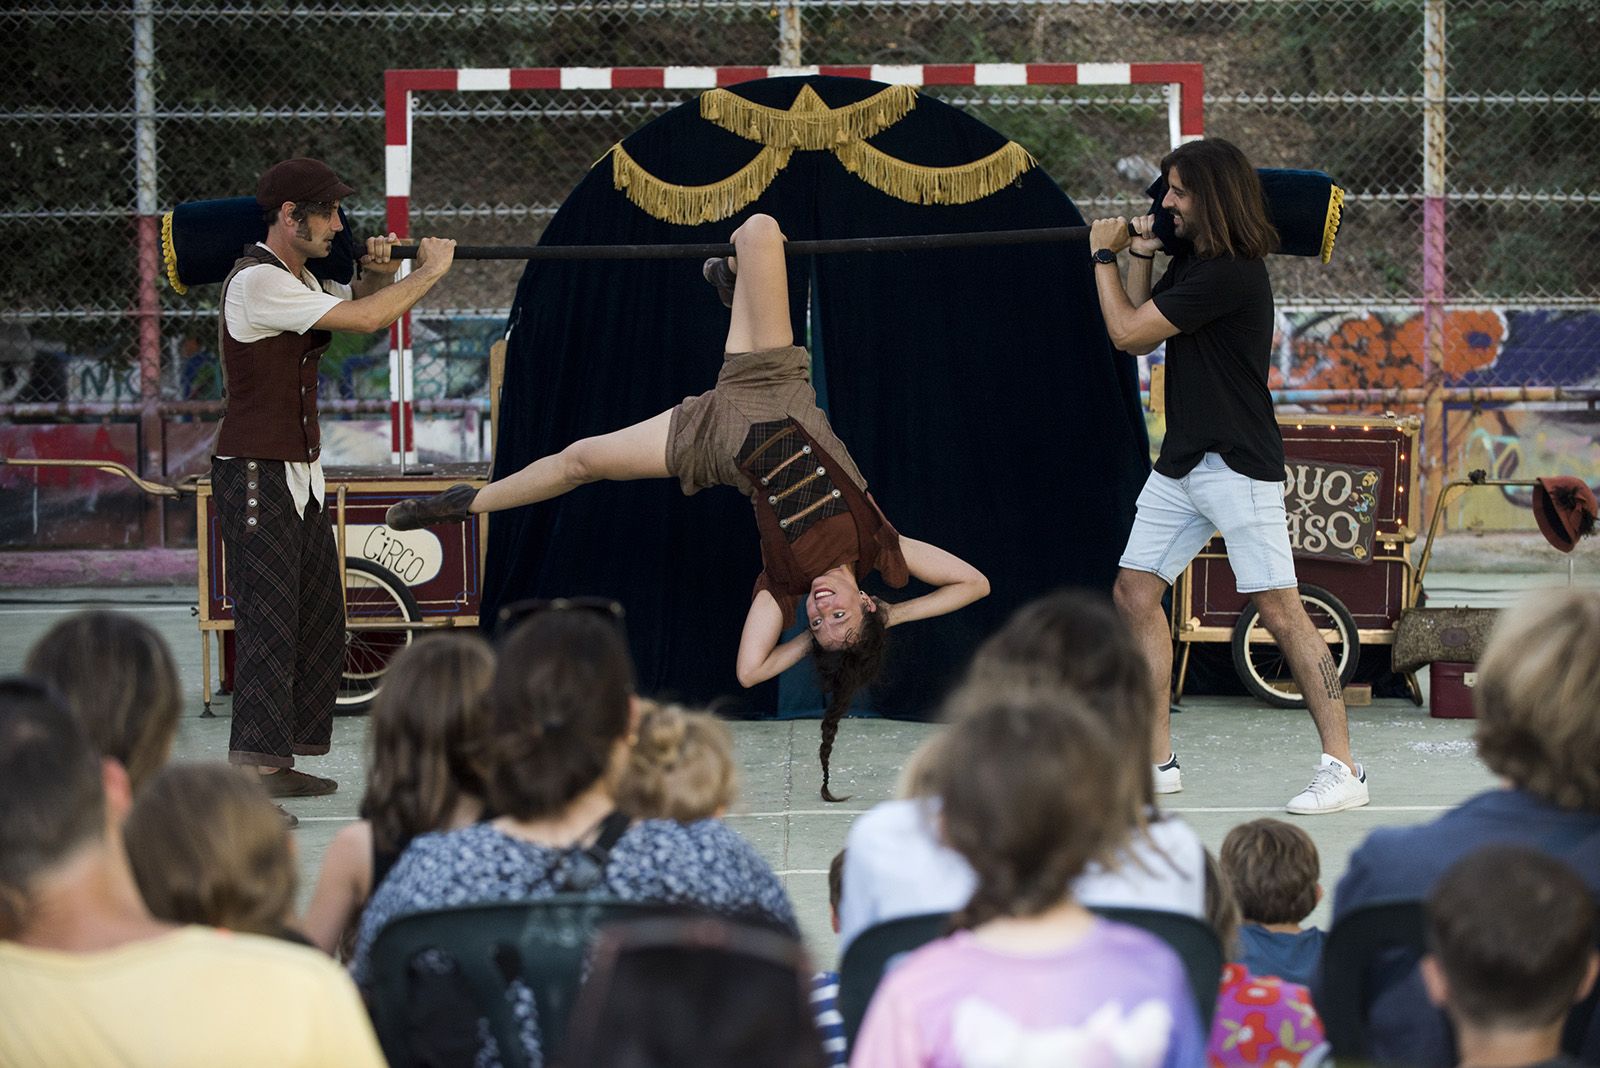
(1140, 255)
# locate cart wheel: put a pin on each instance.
(373, 594)
(1265, 671)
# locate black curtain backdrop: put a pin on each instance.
(975, 388)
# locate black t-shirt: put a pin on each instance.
(1217, 397)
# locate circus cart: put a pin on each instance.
(1350, 496)
(396, 584)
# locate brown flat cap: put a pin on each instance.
(299, 180)
(1564, 508)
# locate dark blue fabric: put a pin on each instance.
(1294, 958)
(1403, 863)
(976, 389)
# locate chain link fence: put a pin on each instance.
(124, 109)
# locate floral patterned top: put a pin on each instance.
(1262, 1022)
(703, 864)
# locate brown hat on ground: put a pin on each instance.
(1565, 510)
(299, 180)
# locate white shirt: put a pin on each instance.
(895, 865)
(264, 301)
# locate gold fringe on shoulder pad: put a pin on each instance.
(1330, 226)
(687, 205)
(808, 123)
(169, 255)
(917, 184)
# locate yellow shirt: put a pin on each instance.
(194, 997)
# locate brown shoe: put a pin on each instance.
(290, 820)
(454, 505)
(292, 783)
(718, 273)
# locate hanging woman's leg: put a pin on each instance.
(637, 451)
(761, 296)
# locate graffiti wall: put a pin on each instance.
(1383, 349)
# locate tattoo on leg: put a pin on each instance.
(1330, 678)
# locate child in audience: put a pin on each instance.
(825, 985)
(680, 768)
(427, 724)
(1260, 1020)
(1033, 786)
(208, 847)
(1272, 868)
(1511, 939)
(118, 677)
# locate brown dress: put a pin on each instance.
(760, 431)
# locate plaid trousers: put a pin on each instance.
(288, 613)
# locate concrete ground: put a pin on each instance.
(1240, 759)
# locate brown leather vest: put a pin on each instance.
(269, 386)
(797, 484)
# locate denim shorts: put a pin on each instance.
(1177, 516)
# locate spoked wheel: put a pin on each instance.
(1264, 670)
(374, 596)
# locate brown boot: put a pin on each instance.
(718, 273)
(454, 505)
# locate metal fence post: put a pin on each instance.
(789, 41)
(148, 220)
(1433, 249)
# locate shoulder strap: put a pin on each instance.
(588, 869)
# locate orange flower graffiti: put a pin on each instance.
(1382, 350)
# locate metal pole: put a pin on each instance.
(788, 33)
(149, 243)
(1433, 246)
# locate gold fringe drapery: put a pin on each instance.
(809, 123)
(691, 204)
(169, 256)
(1330, 225)
(917, 184)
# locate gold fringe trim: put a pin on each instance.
(1330, 225)
(169, 255)
(808, 123)
(916, 184)
(691, 204)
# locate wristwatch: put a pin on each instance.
(1104, 255)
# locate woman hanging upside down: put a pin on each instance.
(760, 430)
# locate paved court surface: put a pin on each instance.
(1240, 759)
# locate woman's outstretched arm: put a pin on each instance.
(760, 655)
(958, 582)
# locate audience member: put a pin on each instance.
(118, 676)
(1511, 940)
(825, 985)
(1538, 728)
(207, 846)
(427, 727)
(563, 715)
(681, 768)
(1260, 1019)
(1033, 786)
(694, 992)
(89, 978)
(896, 864)
(1272, 868)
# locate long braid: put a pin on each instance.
(830, 727)
(843, 673)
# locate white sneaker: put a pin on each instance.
(1168, 779)
(1333, 788)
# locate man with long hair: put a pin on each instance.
(1221, 462)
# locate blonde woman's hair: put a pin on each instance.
(207, 846)
(681, 767)
(1538, 698)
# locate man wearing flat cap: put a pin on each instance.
(282, 565)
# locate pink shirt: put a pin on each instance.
(1116, 999)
